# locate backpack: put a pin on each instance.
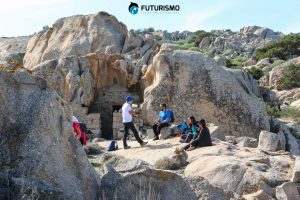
(172, 116)
(113, 145)
(83, 127)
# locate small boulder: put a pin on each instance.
(258, 195)
(288, 191)
(296, 173)
(268, 141)
(173, 162)
(92, 149)
(264, 62)
(247, 142)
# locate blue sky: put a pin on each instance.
(24, 17)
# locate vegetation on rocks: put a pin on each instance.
(256, 73)
(287, 112)
(274, 64)
(283, 48)
(290, 77)
(236, 62)
(198, 36)
(192, 42)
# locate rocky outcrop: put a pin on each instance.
(39, 155)
(78, 36)
(244, 42)
(136, 179)
(192, 84)
(288, 191)
(12, 51)
(271, 80)
(291, 132)
(235, 170)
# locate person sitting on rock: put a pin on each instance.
(202, 140)
(192, 131)
(127, 113)
(162, 121)
(78, 132)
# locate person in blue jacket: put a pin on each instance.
(202, 140)
(164, 120)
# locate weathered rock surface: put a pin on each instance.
(296, 173)
(288, 191)
(272, 79)
(131, 179)
(39, 154)
(291, 131)
(193, 84)
(236, 170)
(243, 42)
(269, 141)
(259, 195)
(12, 51)
(77, 35)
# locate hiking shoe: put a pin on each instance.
(156, 138)
(127, 147)
(143, 144)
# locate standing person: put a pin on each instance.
(79, 134)
(202, 140)
(164, 120)
(127, 113)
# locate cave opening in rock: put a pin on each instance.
(110, 99)
(116, 108)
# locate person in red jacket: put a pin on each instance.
(78, 132)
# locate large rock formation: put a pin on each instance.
(244, 42)
(272, 79)
(76, 35)
(135, 179)
(39, 155)
(192, 84)
(12, 51)
(235, 170)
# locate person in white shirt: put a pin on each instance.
(127, 114)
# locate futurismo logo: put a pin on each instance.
(133, 8)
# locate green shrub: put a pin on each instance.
(236, 62)
(198, 36)
(277, 62)
(290, 113)
(283, 48)
(273, 112)
(194, 49)
(290, 77)
(256, 73)
(274, 64)
(180, 42)
(186, 46)
(286, 112)
(209, 52)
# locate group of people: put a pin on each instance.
(194, 133)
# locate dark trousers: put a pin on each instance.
(157, 128)
(81, 141)
(127, 126)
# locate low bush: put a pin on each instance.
(290, 77)
(256, 73)
(282, 48)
